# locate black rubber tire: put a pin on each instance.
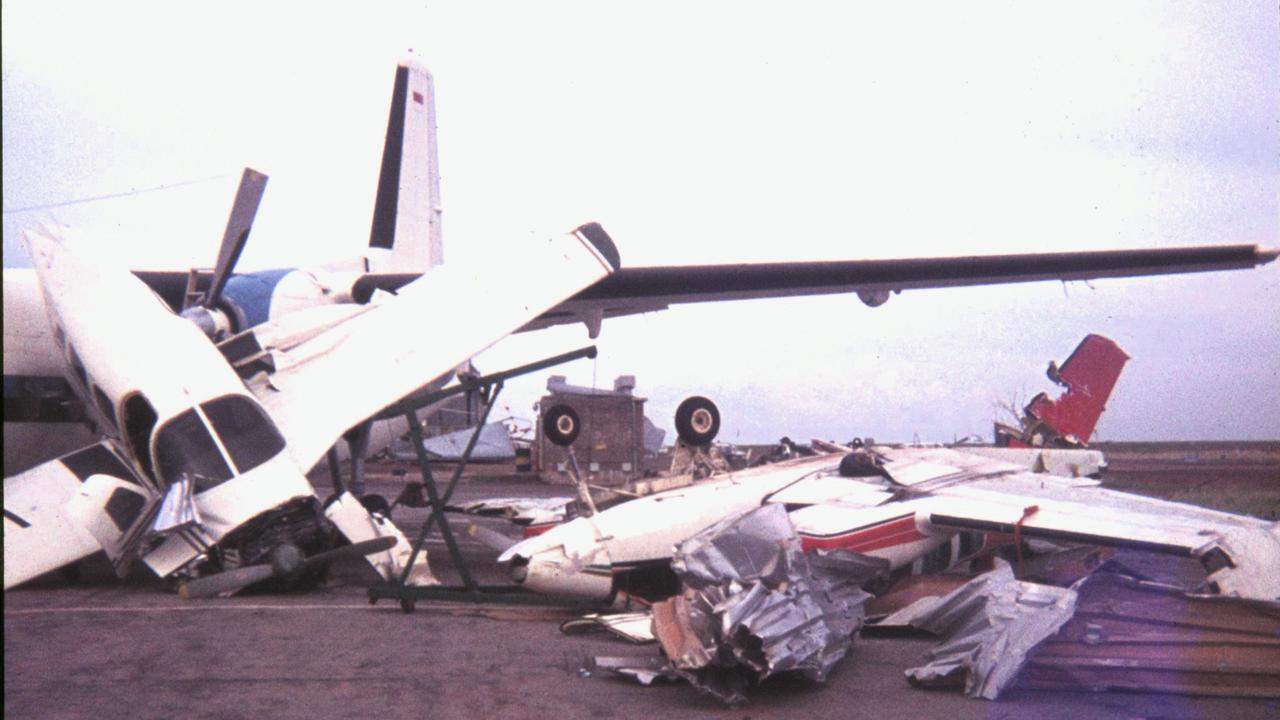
(561, 425)
(375, 503)
(697, 421)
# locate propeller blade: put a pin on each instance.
(252, 185)
(360, 549)
(232, 580)
(229, 581)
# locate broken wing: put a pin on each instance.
(1240, 553)
(349, 372)
(69, 508)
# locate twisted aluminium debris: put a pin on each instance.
(753, 605)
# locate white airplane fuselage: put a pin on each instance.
(583, 556)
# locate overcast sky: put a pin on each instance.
(719, 133)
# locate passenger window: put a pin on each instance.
(185, 447)
(248, 435)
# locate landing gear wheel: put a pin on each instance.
(376, 504)
(407, 605)
(561, 425)
(697, 421)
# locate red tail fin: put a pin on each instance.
(1088, 375)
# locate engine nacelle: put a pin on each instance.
(251, 299)
(873, 298)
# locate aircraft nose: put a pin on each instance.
(568, 560)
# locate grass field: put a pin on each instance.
(1240, 477)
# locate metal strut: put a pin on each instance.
(469, 591)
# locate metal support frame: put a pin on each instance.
(469, 591)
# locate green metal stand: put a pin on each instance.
(469, 591)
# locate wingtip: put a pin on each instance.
(603, 243)
(1265, 255)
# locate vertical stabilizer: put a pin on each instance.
(406, 234)
(1089, 376)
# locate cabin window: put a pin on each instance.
(185, 447)
(33, 398)
(247, 434)
(124, 507)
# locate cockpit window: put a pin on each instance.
(184, 446)
(245, 431)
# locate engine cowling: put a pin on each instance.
(873, 298)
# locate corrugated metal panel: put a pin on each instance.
(1130, 635)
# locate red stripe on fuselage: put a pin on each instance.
(898, 531)
(536, 530)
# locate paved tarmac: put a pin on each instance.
(109, 649)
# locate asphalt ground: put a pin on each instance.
(103, 648)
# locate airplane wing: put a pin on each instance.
(633, 290)
(968, 492)
(347, 373)
(70, 508)
(929, 492)
(643, 289)
(1239, 552)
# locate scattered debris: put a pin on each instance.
(493, 445)
(519, 510)
(989, 625)
(753, 605)
(636, 627)
(644, 669)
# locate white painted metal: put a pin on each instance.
(358, 525)
(330, 382)
(418, 239)
(52, 538)
(967, 491)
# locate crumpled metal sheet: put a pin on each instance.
(519, 510)
(753, 605)
(178, 510)
(636, 627)
(990, 624)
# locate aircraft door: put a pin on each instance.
(112, 504)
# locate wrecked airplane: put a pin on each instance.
(920, 508)
(306, 359)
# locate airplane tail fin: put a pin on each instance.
(406, 235)
(1089, 375)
